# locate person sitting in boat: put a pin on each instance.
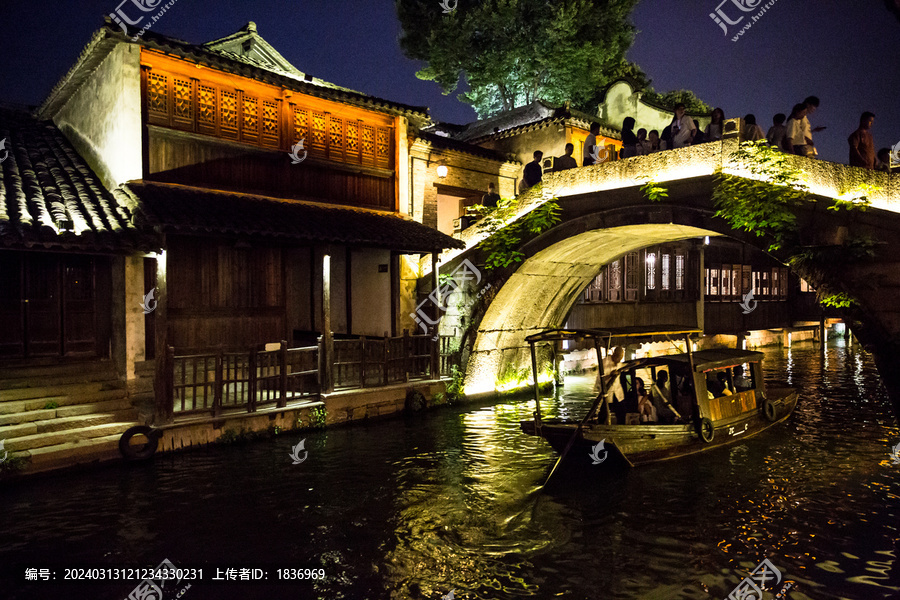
(645, 406)
(741, 383)
(722, 377)
(661, 396)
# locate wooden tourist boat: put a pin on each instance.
(696, 418)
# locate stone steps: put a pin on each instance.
(14, 375)
(58, 390)
(19, 406)
(67, 454)
(17, 445)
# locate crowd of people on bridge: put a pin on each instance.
(792, 134)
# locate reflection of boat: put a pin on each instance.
(692, 418)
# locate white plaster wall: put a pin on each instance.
(370, 298)
(102, 119)
(622, 101)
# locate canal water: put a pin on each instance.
(452, 501)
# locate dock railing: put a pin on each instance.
(213, 382)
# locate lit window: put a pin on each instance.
(651, 271)
(679, 272)
(666, 268)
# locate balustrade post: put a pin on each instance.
(217, 386)
(282, 358)
(435, 347)
(251, 381)
(405, 355)
(362, 362)
(387, 358)
(165, 386)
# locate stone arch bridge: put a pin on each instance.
(604, 215)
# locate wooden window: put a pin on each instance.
(318, 141)
(726, 282)
(158, 94)
(764, 281)
(206, 109)
(650, 271)
(301, 124)
(228, 120)
(746, 279)
(632, 276)
(183, 103)
(352, 141)
(368, 144)
(383, 157)
(336, 138)
(736, 281)
(666, 272)
(614, 282)
(679, 272)
(784, 282)
(712, 285)
(270, 129)
(250, 119)
(776, 284)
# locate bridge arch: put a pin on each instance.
(541, 291)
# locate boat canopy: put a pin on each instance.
(615, 334)
(717, 358)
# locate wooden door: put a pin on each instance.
(12, 306)
(47, 305)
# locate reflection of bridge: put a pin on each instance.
(605, 215)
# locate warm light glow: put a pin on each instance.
(442, 171)
(706, 241)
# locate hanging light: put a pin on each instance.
(442, 171)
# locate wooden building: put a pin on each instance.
(697, 284)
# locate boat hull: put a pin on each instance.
(644, 444)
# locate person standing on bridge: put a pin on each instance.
(590, 146)
(862, 146)
(812, 105)
(566, 161)
(715, 129)
(492, 198)
(776, 132)
(794, 138)
(752, 131)
(534, 172)
(682, 128)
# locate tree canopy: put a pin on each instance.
(513, 52)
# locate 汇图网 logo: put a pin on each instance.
(596, 450)
(149, 304)
(3, 150)
(749, 304)
(295, 452)
(296, 149)
(445, 4)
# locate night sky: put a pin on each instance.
(840, 52)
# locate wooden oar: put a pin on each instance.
(577, 431)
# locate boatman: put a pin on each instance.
(615, 395)
(661, 395)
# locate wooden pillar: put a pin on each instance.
(537, 394)
(326, 347)
(436, 286)
(165, 406)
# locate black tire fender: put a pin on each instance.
(707, 430)
(139, 452)
(770, 410)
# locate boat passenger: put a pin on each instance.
(661, 396)
(645, 406)
(714, 387)
(741, 383)
(723, 382)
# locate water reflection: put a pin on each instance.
(453, 499)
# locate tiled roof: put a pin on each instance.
(50, 198)
(190, 210)
(536, 115)
(218, 57)
(447, 143)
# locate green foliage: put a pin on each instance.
(13, 464)
(503, 241)
(654, 192)
(455, 385)
(855, 199)
(762, 207)
(438, 398)
(317, 417)
(51, 405)
(513, 52)
(768, 208)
